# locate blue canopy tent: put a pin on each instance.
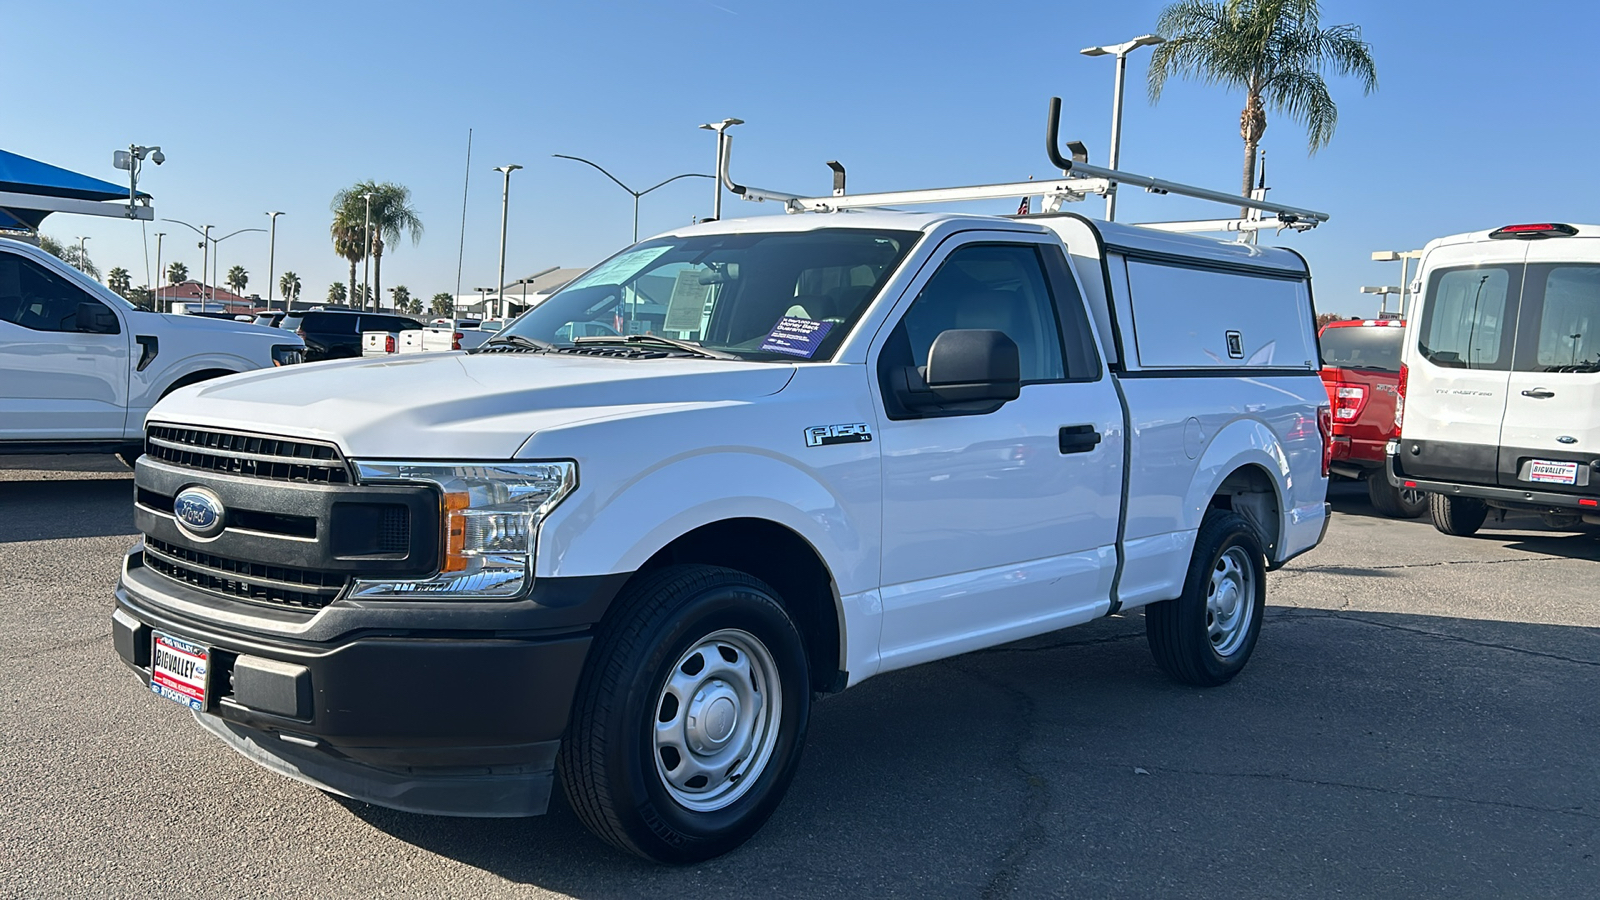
(31, 190)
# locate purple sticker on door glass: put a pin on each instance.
(796, 336)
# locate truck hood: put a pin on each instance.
(208, 325)
(457, 405)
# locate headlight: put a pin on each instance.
(288, 354)
(489, 514)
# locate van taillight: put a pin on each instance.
(1533, 231)
(1348, 401)
(1325, 426)
(388, 343)
(455, 340)
(1400, 400)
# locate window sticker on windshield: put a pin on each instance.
(621, 268)
(688, 303)
(796, 336)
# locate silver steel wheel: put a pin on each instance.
(1413, 498)
(1230, 601)
(717, 719)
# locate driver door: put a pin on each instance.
(998, 524)
(56, 383)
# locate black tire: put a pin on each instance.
(1562, 521)
(1180, 631)
(609, 760)
(1459, 516)
(1396, 503)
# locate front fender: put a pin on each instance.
(618, 529)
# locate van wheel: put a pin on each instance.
(1460, 516)
(690, 715)
(1394, 502)
(1206, 635)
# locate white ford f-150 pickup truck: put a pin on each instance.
(813, 449)
(80, 366)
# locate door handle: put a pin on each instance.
(1539, 394)
(1079, 438)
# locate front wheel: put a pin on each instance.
(1395, 502)
(690, 716)
(1206, 635)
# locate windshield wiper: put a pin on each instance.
(517, 340)
(685, 346)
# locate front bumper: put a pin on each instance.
(1514, 498)
(423, 719)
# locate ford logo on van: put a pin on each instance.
(199, 512)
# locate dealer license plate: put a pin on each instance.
(178, 670)
(1553, 472)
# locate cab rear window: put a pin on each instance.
(1375, 347)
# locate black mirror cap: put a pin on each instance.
(966, 364)
(96, 319)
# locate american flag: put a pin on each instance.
(1022, 208)
(618, 320)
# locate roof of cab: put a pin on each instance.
(1130, 238)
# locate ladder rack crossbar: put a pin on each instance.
(1079, 179)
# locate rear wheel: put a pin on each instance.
(1206, 635)
(690, 717)
(1459, 516)
(1395, 502)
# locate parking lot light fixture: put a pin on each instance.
(505, 205)
(272, 251)
(716, 188)
(1121, 52)
(1383, 291)
(1404, 257)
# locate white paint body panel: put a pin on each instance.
(62, 386)
(940, 535)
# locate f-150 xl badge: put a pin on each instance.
(823, 435)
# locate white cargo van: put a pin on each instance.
(1501, 383)
(857, 441)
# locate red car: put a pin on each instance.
(1361, 370)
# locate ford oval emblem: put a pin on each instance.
(199, 512)
(1567, 439)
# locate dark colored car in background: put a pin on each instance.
(269, 320)
(1362, 372)
(336, 334)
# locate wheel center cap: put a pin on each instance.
(1228, 599)
(720, 718)
(713, 717)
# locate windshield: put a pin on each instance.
(788, 296)
(1362, 347)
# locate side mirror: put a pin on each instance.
(94, 318)
(969, 370)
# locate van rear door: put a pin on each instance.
(1550, 439)
(1461, 353)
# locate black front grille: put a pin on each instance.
(249, 455)
(256, 582)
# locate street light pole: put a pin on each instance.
(505, 205)
(366, 255)
(272, 252)
(636, 194)
(155, 298)
(716, 187)
(1404, 257)
(83, 252)
(1121, 51)
(483, 300)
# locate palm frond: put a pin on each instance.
(1303, 97)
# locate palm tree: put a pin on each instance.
(177, 273)
(443, 304)
(392, 217)
(238, 279)
(336, 293)
(1274, 50)
(289, 287)
(71, 254)
(346, 233)
(117, 279)
(402, 298)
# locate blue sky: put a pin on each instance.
(1485, 115)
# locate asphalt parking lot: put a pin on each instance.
(1419, 720)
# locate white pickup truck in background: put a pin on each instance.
(80, 366)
